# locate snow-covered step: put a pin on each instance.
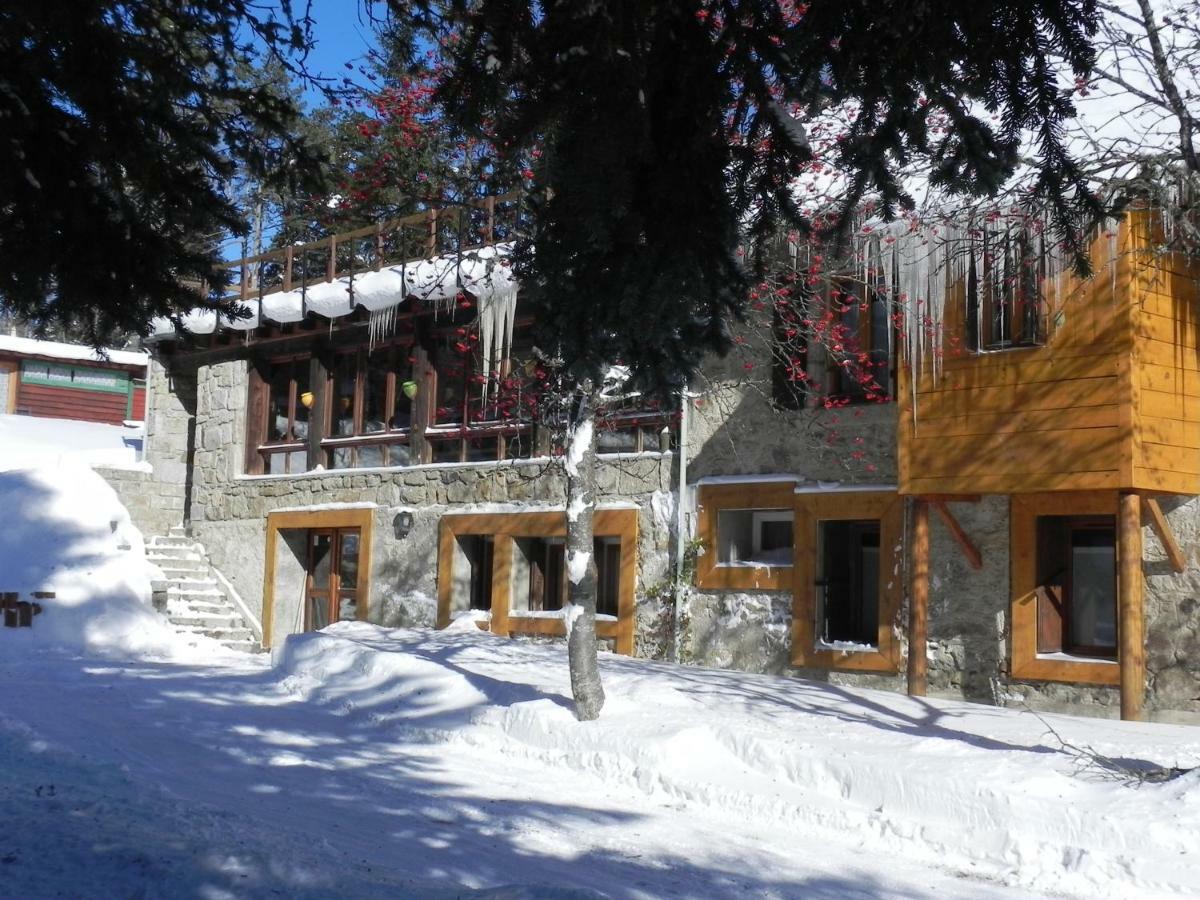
(195, 602)
(214, 622)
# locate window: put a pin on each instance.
(1064, 582)
(1005, 306)
(514, 565)
(754, 537)
(747, 532)
(789, 355)
(1077, 586)
(540, 575)
(289, 409)
(864, 346)
(371, 408)
(847, 583)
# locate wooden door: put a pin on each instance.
(332, 579)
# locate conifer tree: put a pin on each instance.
(663, 138)
(122, 127)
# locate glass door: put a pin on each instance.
(332, 582)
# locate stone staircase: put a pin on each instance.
(191, 598)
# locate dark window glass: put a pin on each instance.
(848, 583)
(1077, 586)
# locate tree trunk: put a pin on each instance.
(580, 612)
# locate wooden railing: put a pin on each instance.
(422, 235)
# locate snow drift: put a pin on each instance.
(65, 531)
(947, 784)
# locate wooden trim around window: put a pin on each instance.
(505, 527)
(757, 495)
(361, 518)
(811, 510)
(1025, 664)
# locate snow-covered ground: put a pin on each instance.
(33, 441)
(370, 762)
(66, 532)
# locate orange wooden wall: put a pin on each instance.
(1112, 400)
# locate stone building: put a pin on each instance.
(342, 453)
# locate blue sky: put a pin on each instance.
(343, 34)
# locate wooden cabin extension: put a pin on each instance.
(1081, 425)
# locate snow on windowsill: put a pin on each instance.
(552, 614)
(845, 647)
(753, 564)
(1072, 658)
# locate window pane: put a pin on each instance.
(445, 451)
(617, 441)
(1093, 609)
(406, 389)
(453, 365)
(370, 456)
(760, 537)
(281, 387)
(608, 575)
(482, 449)
(304, 402)
(344, 372)
(348, 557)
(320, 562)
(848, 583)
(399, 455)
(341, 458)
(375, 412)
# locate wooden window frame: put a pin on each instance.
(1025, 663)
(812, 509)
(712, 499)
(505, 529)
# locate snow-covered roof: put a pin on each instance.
(484, 273)
(79, 352)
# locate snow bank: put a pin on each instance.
(65, 531)
(943, 784)
(32, 441)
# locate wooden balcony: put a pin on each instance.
(1108, 400)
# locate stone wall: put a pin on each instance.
(154, 506)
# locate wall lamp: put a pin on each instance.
(402, 524)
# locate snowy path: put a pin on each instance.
(364, 773)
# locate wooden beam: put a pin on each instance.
(1162, 528)
(918, 611)
(970, 551)
(501, 600)
(1131, 612)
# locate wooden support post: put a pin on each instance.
(490, 228)
(318, 416)
(918, 610)
(431, 236)
(331, 265)
(378, 246)
(1131, 614)
(970, 551)
(502, 561)
(289, 261)
(1162, 528)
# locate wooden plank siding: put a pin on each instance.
(1110, 401)
(71, 403)
(1165, 363)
